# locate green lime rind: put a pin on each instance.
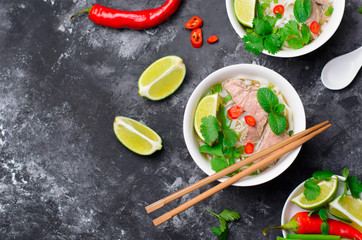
(144, 91)
(145, 140)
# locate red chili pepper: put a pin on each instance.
(196, 38)
(194, 22)
(235, 111)
(130, 19)
(212, 39)
(301, 223)
(249, 148)
(314, 27)
(278, 9)
(250, 120)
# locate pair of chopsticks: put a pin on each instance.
(268, 155)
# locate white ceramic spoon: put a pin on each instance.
(340, 71)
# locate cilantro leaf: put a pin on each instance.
(318, 175)
(302, 10)
(305, 33)
(230, 136)
(218, 164)
(277, 123)
(262, 26)
(272, 43)
(355, 186)
(270, 19)
(295, 43)
(329, 11)
(279, 108)
(324, 228)
(224, 234)
(215, 150)
(291, 28)
(323, 214)
(209, 129)
(216, 231)
(253, 43)
(259, 10)
(312, 189)
(229, 215)
(345, 173)
(267, 99)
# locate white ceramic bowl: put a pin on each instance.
(329, 30)
(249, 71)
(290, 209)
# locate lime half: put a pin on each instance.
(350, 208)
(245, 11)
(206, 107)
(328, 191)
(136, 136)
(162, 78)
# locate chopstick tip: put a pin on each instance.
(162, 219)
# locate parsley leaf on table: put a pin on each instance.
(229, 215)
(209, 129)
(225, 216)
(312, 189)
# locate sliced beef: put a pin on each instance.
(315, 15)
(252, 107)
(270, 139)
(238, 90)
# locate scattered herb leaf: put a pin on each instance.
(324, 228)
(355, 186)
(225, 216)
(329, 11)
(323, 214)
(218, 164)
(215, 150)
(209, 129)
(302, 10)
(312, 189)
(360, 10)
(318, 175)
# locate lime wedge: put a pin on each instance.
(328, 191)
(206, 107)
(162, 78)
(136, 136)
(245, 11)
(350, 208)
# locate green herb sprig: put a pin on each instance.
(225, 216)
(270, 103)
(220, 140)
(312, 189)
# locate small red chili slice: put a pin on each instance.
(249, 148)
(196, 38)
(194, 22)
(235, 111)
(314, 27)
(250, 120)
(278, 9)
(212, 39)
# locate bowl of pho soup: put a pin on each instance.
(226, 120)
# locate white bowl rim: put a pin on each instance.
(216, 77)
(331, 28)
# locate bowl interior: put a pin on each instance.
(249, 71)
(327, 33)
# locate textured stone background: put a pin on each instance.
(63, 173)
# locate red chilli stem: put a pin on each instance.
(87, 10)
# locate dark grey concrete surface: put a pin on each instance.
(63, 173)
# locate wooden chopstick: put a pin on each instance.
(160, 203)
(275, 155)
